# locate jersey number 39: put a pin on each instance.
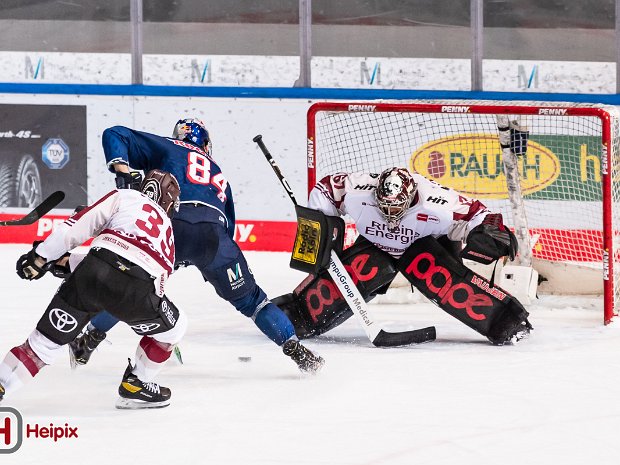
(153, 228)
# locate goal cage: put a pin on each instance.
(569, 176)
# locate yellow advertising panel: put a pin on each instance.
(472, 165)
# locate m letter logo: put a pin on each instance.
(11, 427)
(234, 275)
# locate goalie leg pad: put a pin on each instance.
(460, 292)
(316, 305)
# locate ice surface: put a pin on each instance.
(552, 399)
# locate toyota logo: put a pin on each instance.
(62, 321)
(145, 327)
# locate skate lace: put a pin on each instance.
(153, 387)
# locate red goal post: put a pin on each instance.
(570, 174)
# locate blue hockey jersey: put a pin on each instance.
(200, 178)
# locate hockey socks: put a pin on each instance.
(269, 318)
(19, 366)
(151, 355)
(273, 322)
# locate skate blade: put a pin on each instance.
(132, 404)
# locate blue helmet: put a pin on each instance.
(192, 130)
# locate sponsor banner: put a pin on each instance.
(579, 245)
(66, 68)
(555, 167)
(274, 236)
(42, 150)
(391, 73)
(549, 76)
(271, 236)
(220, 70)
(327, 71)
(279, 236)
(28, 233)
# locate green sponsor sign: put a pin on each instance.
(579, 164)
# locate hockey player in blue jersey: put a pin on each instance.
(203, 229)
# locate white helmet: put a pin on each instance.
(394, 193)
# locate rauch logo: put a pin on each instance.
(472, 164)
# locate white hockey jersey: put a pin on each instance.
(126, 222)
(435, 210)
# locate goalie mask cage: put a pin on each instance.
(569, 174)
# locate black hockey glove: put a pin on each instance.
(131, 180)
(59, 268)
(512, 134)
(31, 266)
(490, 241)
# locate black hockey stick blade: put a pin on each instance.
(39, 211)
(404, 338)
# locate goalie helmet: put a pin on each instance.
(192, 130)
(394, 193)
(163, 189)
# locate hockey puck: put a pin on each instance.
(244, 359)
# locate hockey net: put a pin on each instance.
(569, 174)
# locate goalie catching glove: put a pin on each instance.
(490, 240)
(512, 134)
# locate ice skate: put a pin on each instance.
(307, 361)
(83, 346)
(512, 335)
(522, 332)
(135, 394)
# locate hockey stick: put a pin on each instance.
(39, 211)
(378, 336)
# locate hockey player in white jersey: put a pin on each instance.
(125, 271)
(410, 224)
(395, 208)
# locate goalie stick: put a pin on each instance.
(39, 211)
(378, 336)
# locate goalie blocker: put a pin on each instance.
(316, 305)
